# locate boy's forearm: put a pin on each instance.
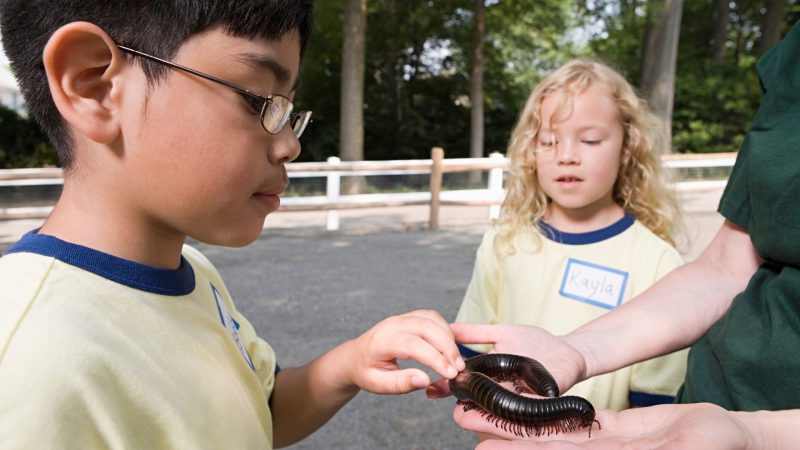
(305, 398)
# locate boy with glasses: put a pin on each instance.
(171, 119)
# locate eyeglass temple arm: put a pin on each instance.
(193, 72)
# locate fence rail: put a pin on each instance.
(334, 169)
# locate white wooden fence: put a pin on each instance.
(334, 169)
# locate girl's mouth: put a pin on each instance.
(568, 181)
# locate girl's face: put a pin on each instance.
(578, 157)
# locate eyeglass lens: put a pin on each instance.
(279, 111)
(299, 122)
(276, 113)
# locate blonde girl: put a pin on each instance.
(587, 223)
(640, 188)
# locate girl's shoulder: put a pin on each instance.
(649, 245)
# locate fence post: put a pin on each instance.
(495, 185)
(437, 155)
(332, 188)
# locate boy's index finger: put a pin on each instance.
(434, 316)
(430, 329)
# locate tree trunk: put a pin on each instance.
(351, 126)
(476, 89)
(771, 25)
(722, 18)
(660, 57)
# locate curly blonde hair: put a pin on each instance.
(640, 188)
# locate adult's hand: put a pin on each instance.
(694, 426)
(558, 356)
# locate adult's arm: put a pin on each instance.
(675, 311)
(670, 315)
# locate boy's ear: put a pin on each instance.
(82, 64)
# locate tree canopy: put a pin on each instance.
(417, 70)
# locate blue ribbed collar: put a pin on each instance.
(146, 278)
(590, 237)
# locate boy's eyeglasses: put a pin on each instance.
(276, 110)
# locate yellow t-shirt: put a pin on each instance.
(101, 352)
(573, 279)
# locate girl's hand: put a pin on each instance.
(422, 335)
(563, 361)
(664, 427)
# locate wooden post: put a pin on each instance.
(437, 155)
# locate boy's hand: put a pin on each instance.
(422, 335)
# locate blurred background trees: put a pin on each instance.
(419, 56)
(419, 59)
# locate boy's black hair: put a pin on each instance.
(157, 27)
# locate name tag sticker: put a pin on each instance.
(232, 326)
(594, 284)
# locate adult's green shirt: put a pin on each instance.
(750, 359)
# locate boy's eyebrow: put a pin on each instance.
(282, 74)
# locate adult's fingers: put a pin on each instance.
(396, 381)
(473, 333)
(438, 389)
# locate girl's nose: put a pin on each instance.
(567, 152)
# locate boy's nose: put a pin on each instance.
(284, 147)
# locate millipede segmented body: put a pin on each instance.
(477, 387)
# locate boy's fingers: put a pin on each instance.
(422, 350)
(434, 316)
(440, 338)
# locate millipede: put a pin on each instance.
(477, 387)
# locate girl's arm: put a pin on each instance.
(305, 398)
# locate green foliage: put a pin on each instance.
(22, 143)
(418, 61)
(619, 38)
(714, 105)
(714, 102)
(417, 73)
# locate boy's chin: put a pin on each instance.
(239, 237)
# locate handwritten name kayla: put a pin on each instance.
(592, 283)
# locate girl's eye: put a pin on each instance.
(592, 141)
(254, 103)
(546, 139)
